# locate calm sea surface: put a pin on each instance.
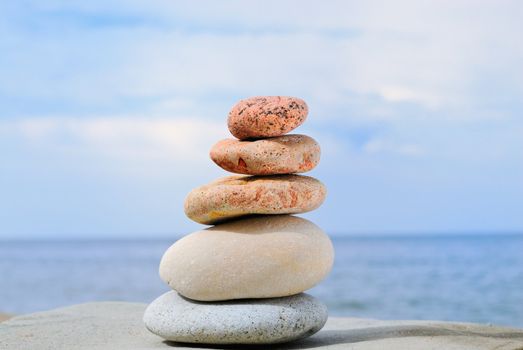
(460, 278)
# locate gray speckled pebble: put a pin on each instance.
(250, 321)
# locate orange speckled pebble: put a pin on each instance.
(266, 116)
(236, 196)
(277, 155)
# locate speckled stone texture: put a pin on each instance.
(265, 321)
(262, 257)
(266, 116)
(237, 196)
(277, 155)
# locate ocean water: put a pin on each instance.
(460, 278)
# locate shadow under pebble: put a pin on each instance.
(333, 337)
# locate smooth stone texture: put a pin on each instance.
(266, 116)
(116, 325)
(258, 321)
(235, 196)
(277, 155)
(261, 257)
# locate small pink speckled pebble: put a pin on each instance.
(266, 116)
(276, 155)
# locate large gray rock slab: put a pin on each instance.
(248, 321)
(116, 325)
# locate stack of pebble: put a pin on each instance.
(241, 281)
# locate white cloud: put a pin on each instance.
(376, 64)
(431, 54)
(402, 94)
(180, 139)
(377, 146)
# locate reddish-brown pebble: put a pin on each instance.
(277, 155)
(266, 116)
(236, 196)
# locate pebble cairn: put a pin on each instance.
(242, 280)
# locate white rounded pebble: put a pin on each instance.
(261, 257)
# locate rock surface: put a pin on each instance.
(236, 196)
(116, 325)
(266, 116)
(4, 317)
(260, 321)
(261, 257)
(277, 155)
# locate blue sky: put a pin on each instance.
(109, 109)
